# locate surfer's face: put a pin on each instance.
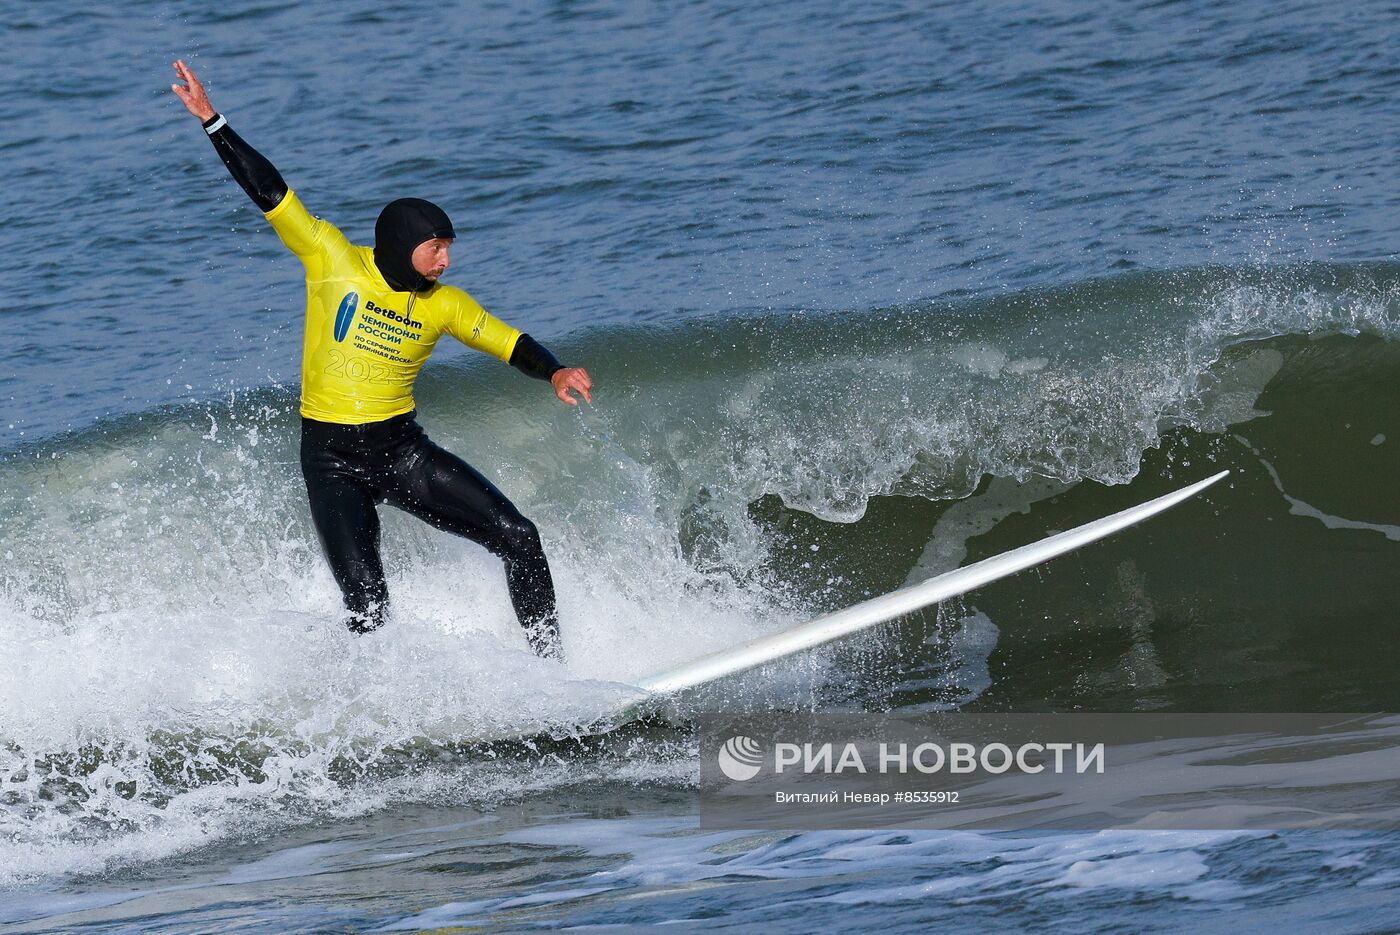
(430, 258)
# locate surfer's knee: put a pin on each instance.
(517, 536)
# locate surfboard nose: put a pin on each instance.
(881, 609)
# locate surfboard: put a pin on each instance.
(878, 610)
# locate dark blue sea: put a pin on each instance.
(867, 291)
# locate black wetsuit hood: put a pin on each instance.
(402, 226)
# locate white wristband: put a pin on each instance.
(216, 126)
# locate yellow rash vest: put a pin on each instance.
(364, 342)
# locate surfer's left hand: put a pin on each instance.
(571, 380)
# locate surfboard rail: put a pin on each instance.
(886, 607)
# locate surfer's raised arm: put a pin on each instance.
(249, 168)
(410, 255)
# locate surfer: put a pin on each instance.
(373, 316)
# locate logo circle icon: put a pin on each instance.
(740, 758)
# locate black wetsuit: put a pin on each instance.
(350, 468)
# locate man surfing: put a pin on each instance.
(373, 315)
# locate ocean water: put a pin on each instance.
(866, 291)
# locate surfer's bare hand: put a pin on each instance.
(572, 380)
(191, 93)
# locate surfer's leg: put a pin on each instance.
(442, 489)
(342, 509)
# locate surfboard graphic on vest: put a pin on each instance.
(887, 607)
(345, 314)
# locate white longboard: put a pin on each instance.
(879, 610)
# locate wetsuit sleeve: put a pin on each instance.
(249, 168)
(533, 359)
(478, 329)
(309, 237)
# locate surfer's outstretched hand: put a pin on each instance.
(191, 92)
(572, 380)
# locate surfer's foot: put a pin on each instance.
(363, 623)
(544, 640)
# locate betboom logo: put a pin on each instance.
(740, 758)
(345, 314)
